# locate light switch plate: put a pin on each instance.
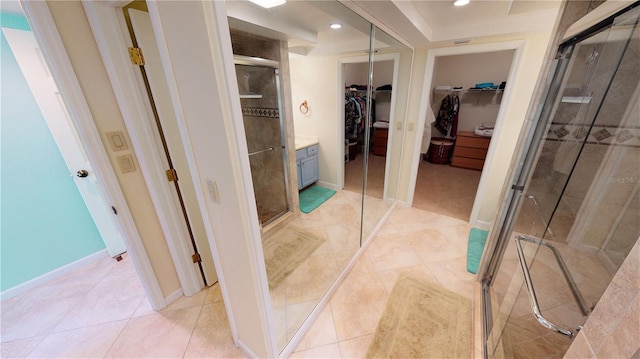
(117, 141)
(126, 163)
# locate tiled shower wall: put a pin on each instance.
(262, 123)
(613, 328)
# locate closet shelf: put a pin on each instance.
(486, 90)
(258, 96)
(468, 90)
(576, 99)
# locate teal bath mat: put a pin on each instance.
(312, 197)
(477, 239)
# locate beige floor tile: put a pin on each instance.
(183, 302)
(213, 315)
(355, 348)
(386, 253)
(160, 335)
(407, 220)
(214, 294)
(330, 351)
(296, 315)
(87, 342)
(430, 245)
(388, 278)
(338, 213)
(308, 220)
(322, 332)
(453, 275)
(311, 279)
(344, 236)
(457, 234)
(19, 348)
(113, 298)
(26, 318)
(362, 266)
(143, 309)
(212, 343)
(357, 305)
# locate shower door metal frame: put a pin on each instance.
(261, 62)
(533, 140)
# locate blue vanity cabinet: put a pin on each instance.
(307, 159)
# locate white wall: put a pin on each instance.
(356, 74)
(319, 87)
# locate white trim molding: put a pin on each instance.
(108, 31)
(53, 50)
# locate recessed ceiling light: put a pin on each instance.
(460, 2)
(335, 26)
(268, 3)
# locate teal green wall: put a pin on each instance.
(44, 222)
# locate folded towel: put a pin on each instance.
(379, 124)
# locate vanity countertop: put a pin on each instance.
(303, 142)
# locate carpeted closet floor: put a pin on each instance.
(446, 190)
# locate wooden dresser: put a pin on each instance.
(380, 141)
(470, 150)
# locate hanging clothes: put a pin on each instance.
(448, 115)
(354, 113)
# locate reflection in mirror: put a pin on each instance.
(391, 69)
(306, 157)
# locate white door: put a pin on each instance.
(146, 40)
(36, 72)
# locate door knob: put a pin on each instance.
(82, 173)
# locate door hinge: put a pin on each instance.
(196, 258)
(137, 58)
(517, 187)
(172, 175)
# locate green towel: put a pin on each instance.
(312, 197)
(477, 239)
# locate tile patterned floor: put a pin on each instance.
(426, 244)
(101, 310)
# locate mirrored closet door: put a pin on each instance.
(292, 53)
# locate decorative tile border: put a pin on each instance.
(602, 135)
(261, 112)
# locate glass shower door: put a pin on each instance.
(260, 100)
(549, 273)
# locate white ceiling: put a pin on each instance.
(418, 22)
(305, 23)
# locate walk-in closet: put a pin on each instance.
(355, 79)
(465, 101)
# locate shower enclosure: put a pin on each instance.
(574, 213)
(259, 86)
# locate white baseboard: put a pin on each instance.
(173, 296)
(404, 204)
(327, 185)
(482, 225)
(54, 274)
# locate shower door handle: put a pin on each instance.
(534, 300)
(265, 150)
